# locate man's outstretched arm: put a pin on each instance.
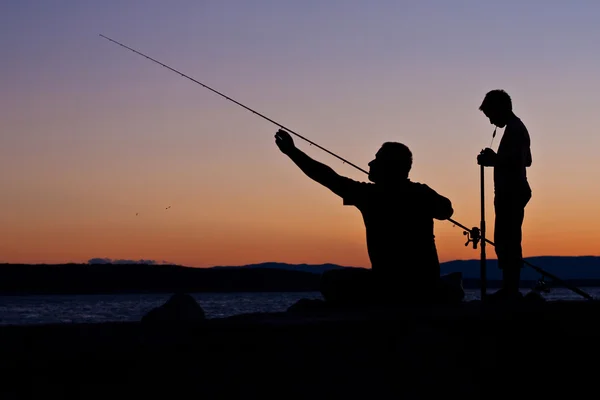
(440, 206)
(315, 170)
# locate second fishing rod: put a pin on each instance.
(474, 233)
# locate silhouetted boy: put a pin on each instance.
(398, 216)
(511, 188)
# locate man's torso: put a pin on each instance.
(399, 229)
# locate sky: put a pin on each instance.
(92, 134)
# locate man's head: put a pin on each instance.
(497, 106)
(392, 163)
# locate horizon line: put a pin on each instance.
(165, 263)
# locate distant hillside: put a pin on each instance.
(579, 270)
(313, 269)
(581, 267)
(139, 278)
(264, 277)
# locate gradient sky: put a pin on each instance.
(92, 134)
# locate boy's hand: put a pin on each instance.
(486, 157)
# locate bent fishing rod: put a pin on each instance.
(473, 234)
(238, 103)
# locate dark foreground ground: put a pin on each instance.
(536, 351)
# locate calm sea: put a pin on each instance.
(131, 307)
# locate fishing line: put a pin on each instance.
(470, 231)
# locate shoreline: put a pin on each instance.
(467, 285)
(471, 349)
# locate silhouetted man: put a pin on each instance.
(398, 216)
(511, 188)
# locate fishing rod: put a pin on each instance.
(472, 234)
(238, 103)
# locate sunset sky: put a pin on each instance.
(91, 133)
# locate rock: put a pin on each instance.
(450, 290)
(307, 305)
(360, 287)
(180, 308)
(534, 297)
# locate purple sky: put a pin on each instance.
(93, 133)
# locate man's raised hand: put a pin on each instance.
(284, 141)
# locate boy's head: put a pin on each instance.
(497, 106)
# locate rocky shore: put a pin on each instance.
(311, 351)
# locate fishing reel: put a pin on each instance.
(541, 286)
(473, 236)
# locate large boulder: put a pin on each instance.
(308, 305)
(180, 308)
(361, 287)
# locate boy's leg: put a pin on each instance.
(508, 235)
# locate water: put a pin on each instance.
(131, 307)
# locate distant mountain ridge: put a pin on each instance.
(564, 267)
(138, 277)
(311, 268)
